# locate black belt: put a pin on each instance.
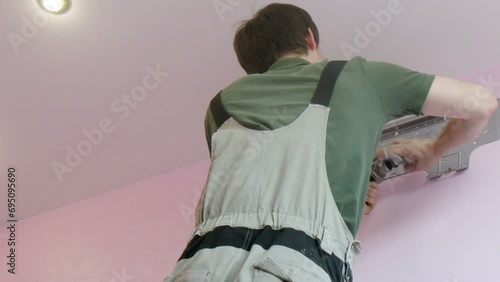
(245, 238)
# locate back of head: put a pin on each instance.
(275, 31)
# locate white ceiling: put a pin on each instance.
(67, 74)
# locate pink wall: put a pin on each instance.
(443, 231)
(140, 229)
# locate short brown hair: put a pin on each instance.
(276, 30)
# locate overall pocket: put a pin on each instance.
(269, 271)
(191, 276)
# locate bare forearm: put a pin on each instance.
(472, 106)
(459, 131)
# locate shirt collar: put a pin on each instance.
(288, 63)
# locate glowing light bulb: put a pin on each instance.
(55, 6)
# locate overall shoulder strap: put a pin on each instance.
(322, 95)
(327, 82)
(218, 111)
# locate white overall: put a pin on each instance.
(267, 193)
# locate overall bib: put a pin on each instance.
(267, 212)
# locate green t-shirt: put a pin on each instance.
(367, 95)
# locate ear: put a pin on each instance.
(311, 41)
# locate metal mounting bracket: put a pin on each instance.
(430, 127)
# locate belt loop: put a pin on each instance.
(195, 232)
(348, 273)
(327, 241)
(350, 255)
(346, 263)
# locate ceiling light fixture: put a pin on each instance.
(55, 6)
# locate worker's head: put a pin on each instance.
(275, 32)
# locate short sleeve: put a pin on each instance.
(402, 91)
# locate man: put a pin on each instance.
(292, 145)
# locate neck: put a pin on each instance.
(312, 56)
